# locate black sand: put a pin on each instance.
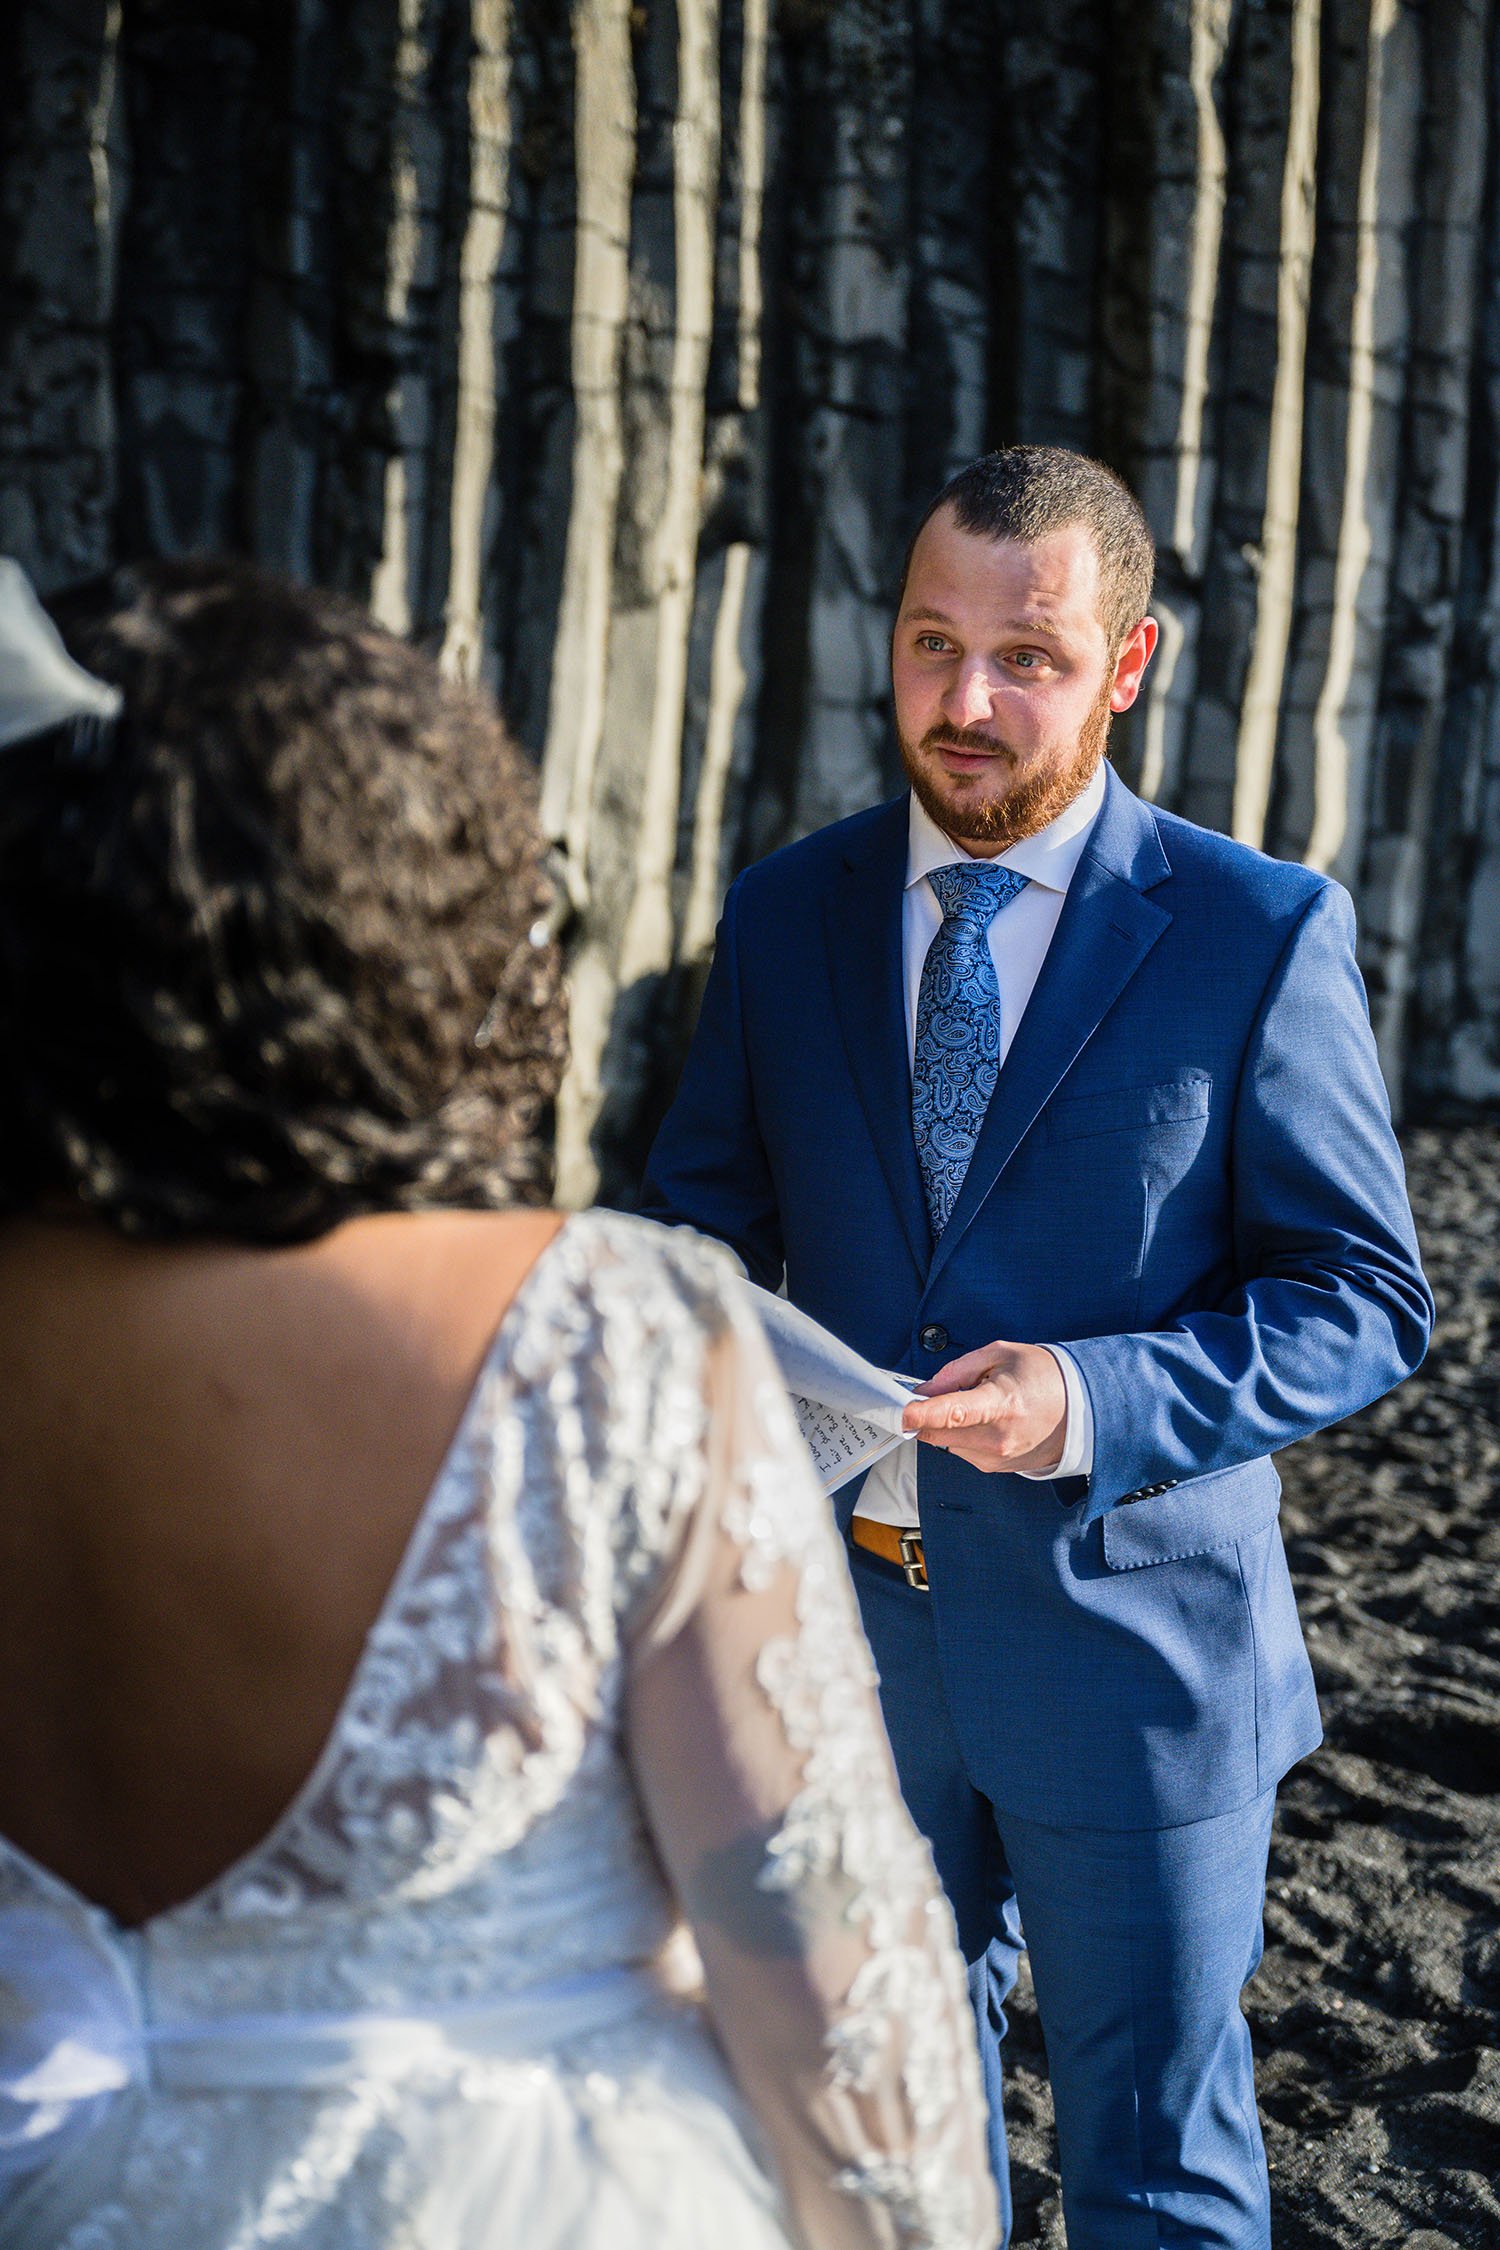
(1376, 2013)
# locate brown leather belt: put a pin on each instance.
(893, 1545)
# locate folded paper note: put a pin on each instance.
(848, 1409)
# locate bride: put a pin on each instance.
(424, 1655)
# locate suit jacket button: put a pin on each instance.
(934, 1337)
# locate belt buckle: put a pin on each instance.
(912, 1562)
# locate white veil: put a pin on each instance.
(40, 685)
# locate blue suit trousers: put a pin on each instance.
(1140, 1941)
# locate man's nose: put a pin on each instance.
(973, 696)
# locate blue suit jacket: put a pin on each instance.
(1187, 1175)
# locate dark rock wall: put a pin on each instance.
(612, 347)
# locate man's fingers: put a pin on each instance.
(961, 1410)
(961, 1374)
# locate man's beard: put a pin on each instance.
(1026, 807)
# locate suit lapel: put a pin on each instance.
(863, 916)
(1106, 929)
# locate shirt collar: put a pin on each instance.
(1049, 857)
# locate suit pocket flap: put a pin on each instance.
(1191, 1519)
(1128, 1108)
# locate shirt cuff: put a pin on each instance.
(1078, 1425)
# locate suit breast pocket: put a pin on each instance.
(1118, 1160)
(1178, 1106)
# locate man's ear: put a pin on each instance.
(1130, 665)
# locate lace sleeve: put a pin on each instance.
(832, 1970)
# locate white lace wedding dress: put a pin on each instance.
(618, 1674)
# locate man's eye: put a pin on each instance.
(932, 642)
(1028, 659)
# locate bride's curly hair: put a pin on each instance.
(274, 949)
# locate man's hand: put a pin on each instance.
(1002, 1407)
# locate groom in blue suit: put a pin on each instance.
(1073, 1110)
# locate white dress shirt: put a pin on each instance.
(1019, 937)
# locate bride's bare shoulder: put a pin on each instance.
(449, 1266)
(230, 1363)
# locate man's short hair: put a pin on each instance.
(1026, 492)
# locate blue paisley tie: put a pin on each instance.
(958, 1028)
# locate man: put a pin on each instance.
(1073, 1109)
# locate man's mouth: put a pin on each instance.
(964, 757)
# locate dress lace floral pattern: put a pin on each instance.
(905, 2009)
(464, 1906)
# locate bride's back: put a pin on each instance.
(212, 1459)
(281, 1019)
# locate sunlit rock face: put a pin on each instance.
(613, 348)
